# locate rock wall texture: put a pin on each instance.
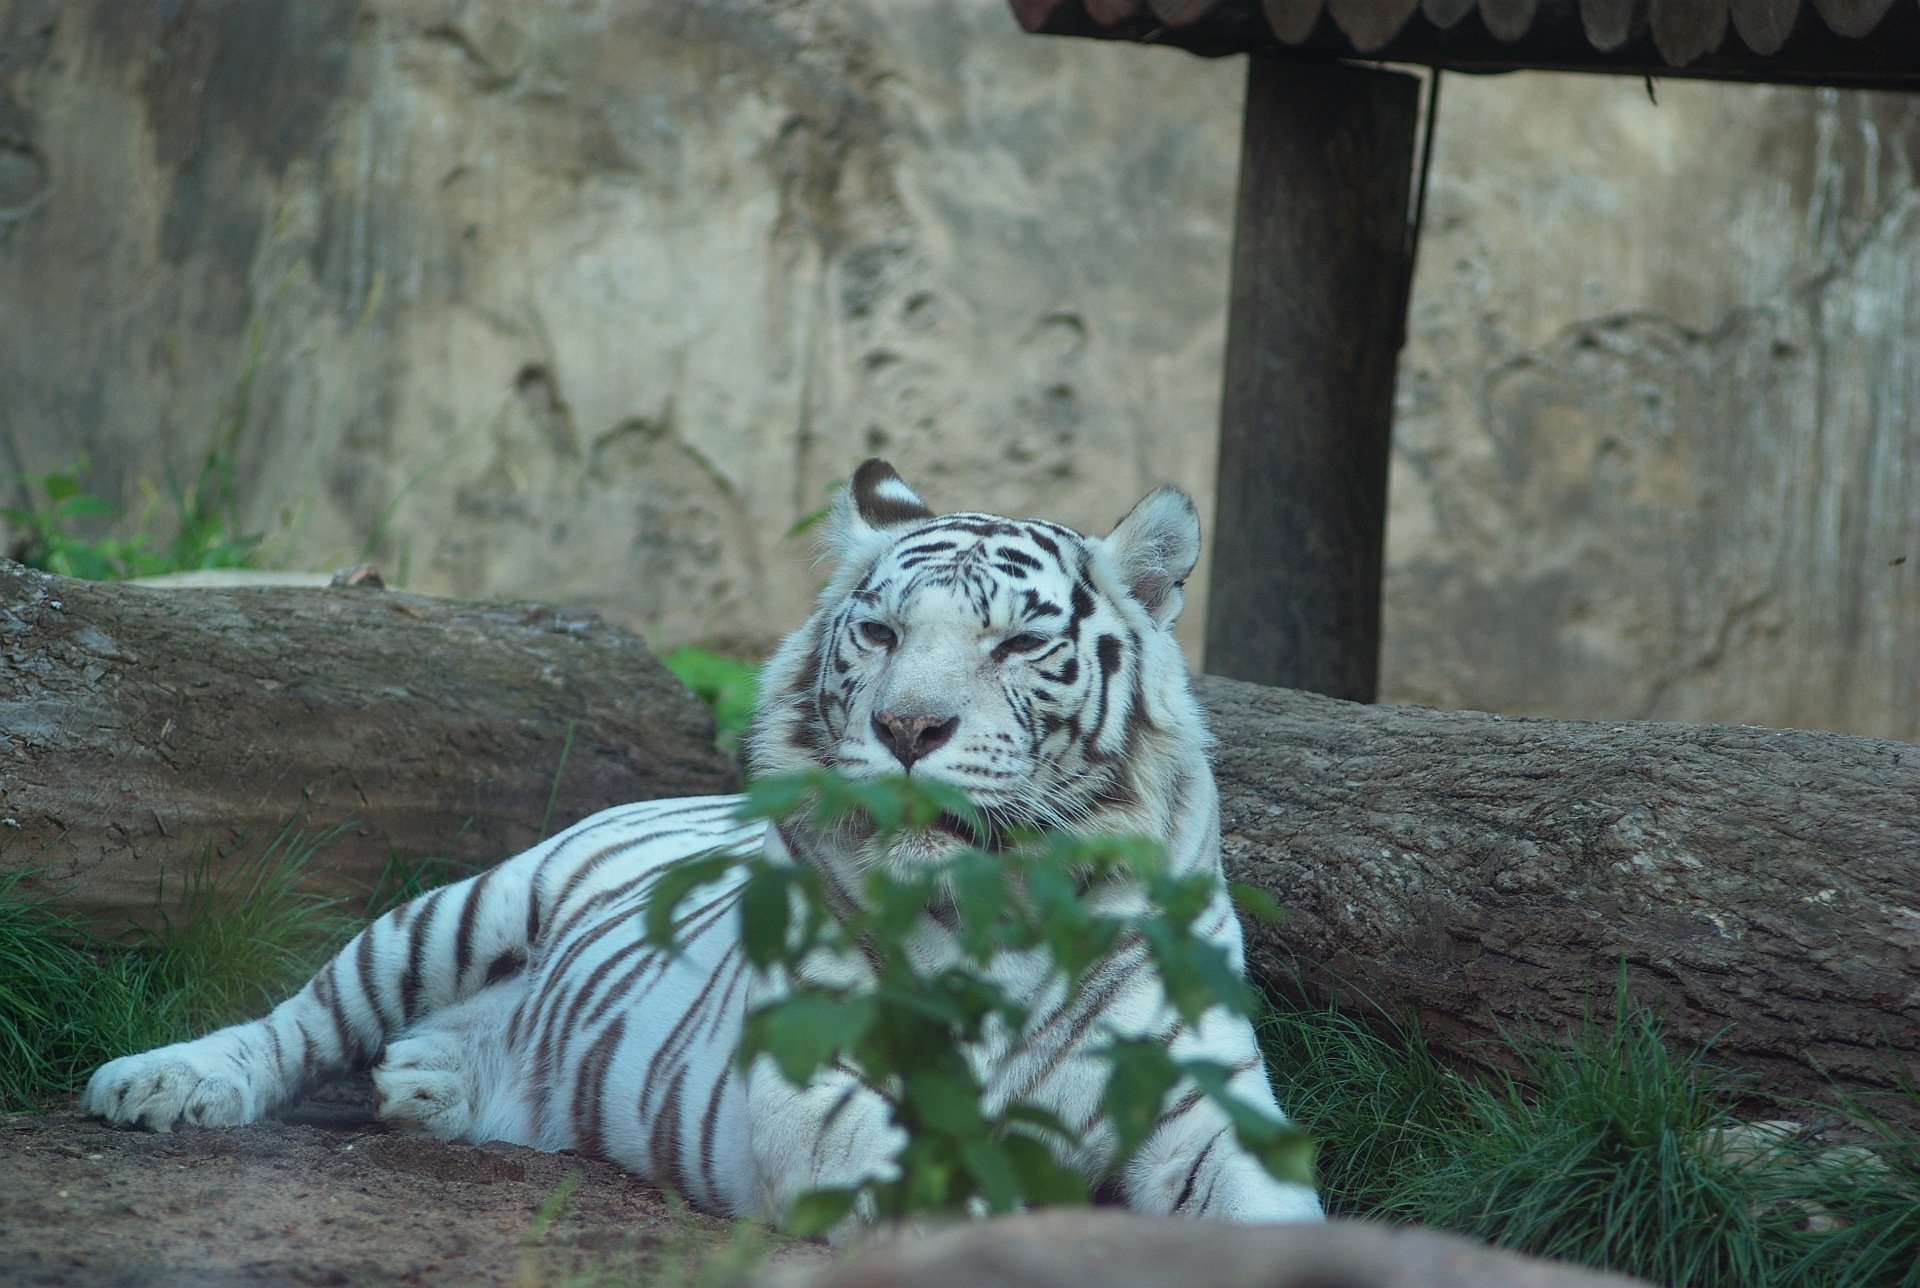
(594, 303)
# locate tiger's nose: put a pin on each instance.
(911, 738)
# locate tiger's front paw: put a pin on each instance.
(184, 1083)
(424, 1084)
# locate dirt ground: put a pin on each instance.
(328, 1196)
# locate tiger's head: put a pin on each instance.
(1027, 665)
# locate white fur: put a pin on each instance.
(574, 1037)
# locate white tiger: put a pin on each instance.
(1029, 666)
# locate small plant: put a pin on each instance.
(727, 685)
(1867, 1199)
(48, 531)
(53, 524)
(65, 1004)
(1598, 1153)
(906, 1037)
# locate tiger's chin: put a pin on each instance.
(909, 853)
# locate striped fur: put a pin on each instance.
(1028, 665)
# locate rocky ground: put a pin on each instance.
(328, 1196)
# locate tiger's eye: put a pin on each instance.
(878, 634)
(1025, 642)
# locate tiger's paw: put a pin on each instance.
(423, 1084)
(185, 1083)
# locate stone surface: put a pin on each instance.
(594, 303)
(1659, 428)
(1068, 1247)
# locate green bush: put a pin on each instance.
(59, 529)
(727, 685)
(1608, 1149)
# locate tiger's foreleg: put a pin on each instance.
(406, 966)
(835, 1133)
(1193, 1164)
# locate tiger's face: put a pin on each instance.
(1027, 665)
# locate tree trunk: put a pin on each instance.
(1315, 323)
(1759, 887)
(146, 731)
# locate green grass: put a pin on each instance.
(65, 1004)
(70, 1000)
(1605, 1149)
(242, 942)
(1376, 1101)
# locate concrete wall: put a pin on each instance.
(594, 303)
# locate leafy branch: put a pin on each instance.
(910, 1034)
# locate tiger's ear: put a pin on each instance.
(1154, 549)
(877, 500)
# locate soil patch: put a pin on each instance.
(327, 1195)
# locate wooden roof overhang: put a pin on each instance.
(1857, 44)
(1324, 238)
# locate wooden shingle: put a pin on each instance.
(1858, 43)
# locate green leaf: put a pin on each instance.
(1283, 1148)
(803, 1032)
(1256, 903)
(946, 1099)
(1197, 975)
(982, 899)
(776, 797)
(883, 800)
(671, 888)
(1043, 1180)
(1024, 1113)
(994, 1170)
(81, 507)
(816, 1212)
(1142, 1075)
(728, 686)
(928, 1166)
(764, 911)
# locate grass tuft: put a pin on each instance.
(1376, 1101)
(1607, 1149)
(66, 1003)
(1603, 1152)
(70, 1000)
(243, 941)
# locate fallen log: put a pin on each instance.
(1759, 887)
(144, 732)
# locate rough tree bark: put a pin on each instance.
(1760, 887)
(144, 731)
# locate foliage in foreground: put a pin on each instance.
(906, 1037)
